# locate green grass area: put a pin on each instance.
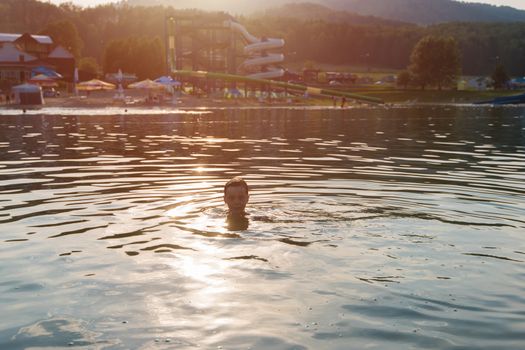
(435, 96)
(418, 96)
(360, 70)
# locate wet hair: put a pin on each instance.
(236, 182)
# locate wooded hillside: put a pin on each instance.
(351, 40)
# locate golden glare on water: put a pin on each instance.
(188, 211)
(203, 223)
(205, 288)
(207, 223)
(211, 139)
(206, 272)
(184, 209)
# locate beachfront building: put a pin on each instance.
(21, 54)
(37, 45)
(63, 61)
(15, 65)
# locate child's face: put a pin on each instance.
(236, 199)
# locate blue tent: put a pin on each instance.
(234, 92)
(167, 81)
(518, 81)
(46, 71)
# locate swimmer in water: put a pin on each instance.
(236, 196)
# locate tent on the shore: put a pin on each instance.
(43, 80)
(46, 71)
(155, 90)
(95, 84)
(28, 94)
(147, 84)
(167, 80)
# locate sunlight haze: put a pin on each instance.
(519, 4)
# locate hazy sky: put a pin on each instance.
(519, 4)
(514, 3)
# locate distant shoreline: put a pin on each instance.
(104, 99)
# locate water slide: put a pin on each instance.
(504, 100)
(256, 50)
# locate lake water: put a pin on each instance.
(378, 228)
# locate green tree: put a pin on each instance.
(404, 79)
(435, 61)
(140, 55)
(89, 65)
(499, 77)
(311, 65)
(65, 33)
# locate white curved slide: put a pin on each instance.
(256, 50)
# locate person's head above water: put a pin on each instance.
(236, 195)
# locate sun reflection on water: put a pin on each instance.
(207, 272)
(182, 210)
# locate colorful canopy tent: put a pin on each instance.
(234, 92)
(28, 94)
(95, 84)
(169, 81)
(43, 80)
(46, 71)
(147, 84)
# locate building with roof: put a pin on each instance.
(38, 45)
(15, 65)
(21, 53)
(63, 61)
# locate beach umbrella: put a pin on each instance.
(169, 81)
(43, 80)
(95, 84)
(147, 84)
(234, 92)
(46, 71)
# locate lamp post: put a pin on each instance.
(166, 41)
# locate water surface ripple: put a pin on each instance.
(369, 227)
